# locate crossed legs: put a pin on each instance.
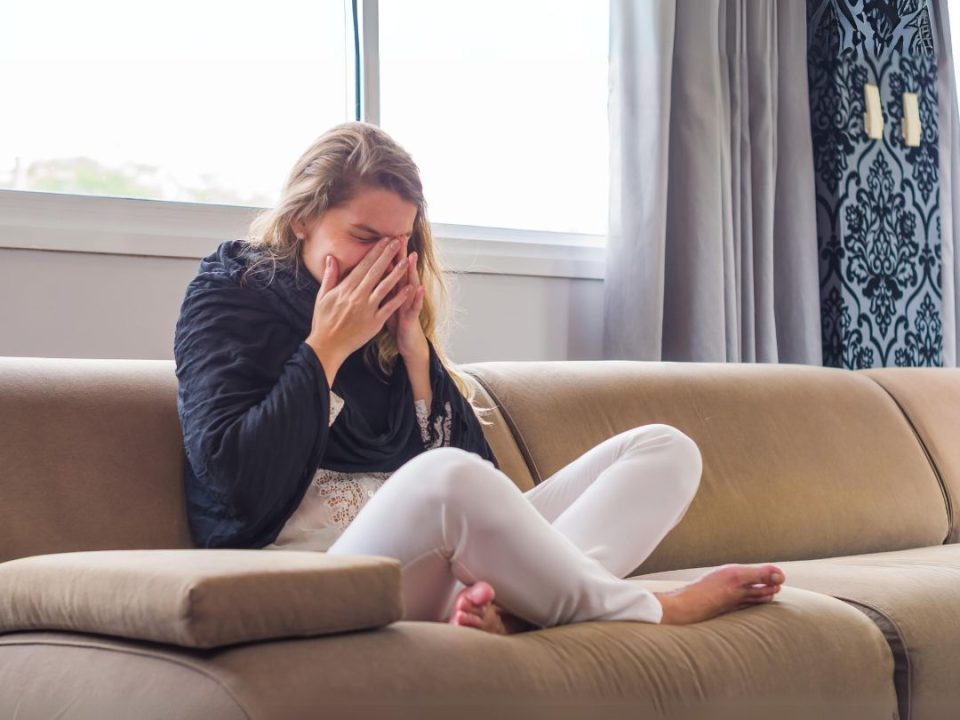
(555, 554)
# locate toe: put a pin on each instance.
(480, 592)
(774, 574)
(467, 620)
(761, 575)
(464, 603)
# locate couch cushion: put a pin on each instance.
(930, 398)
(914, 597)
(92, 456)
(799, 462)
(500, 437)
(804, 655)
(199, 598)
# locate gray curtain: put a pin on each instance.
(712, 248)
(949, 162)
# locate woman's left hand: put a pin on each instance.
(404, 323)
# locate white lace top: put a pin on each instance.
(334, 498)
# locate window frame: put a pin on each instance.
(32, 220)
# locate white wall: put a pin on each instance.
(89, 305)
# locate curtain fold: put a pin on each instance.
(949, 165)
(712, 249)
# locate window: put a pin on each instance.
(208, 101)
(503, 105)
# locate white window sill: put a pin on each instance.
(125, 226)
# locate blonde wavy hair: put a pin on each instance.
(345, 159)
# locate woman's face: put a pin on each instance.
(349, 232)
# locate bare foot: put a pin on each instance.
(474, 607)
(729, 587)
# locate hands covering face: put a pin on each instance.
(404, 323)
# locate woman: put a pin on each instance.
(320, 413)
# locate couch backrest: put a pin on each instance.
(91, 456)
(930, 398)
(799, 462)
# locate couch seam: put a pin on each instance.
(514, 431)
(926, 452)
(142, 653)
(906, 710)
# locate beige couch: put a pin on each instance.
(849, 480)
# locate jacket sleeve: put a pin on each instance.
(449, 420)
(253, 417)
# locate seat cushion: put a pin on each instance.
(199, 598)
(914, 598)
(798, 462)
(805, 655)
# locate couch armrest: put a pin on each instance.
(199, 598)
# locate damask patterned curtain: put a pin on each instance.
(712, 251)
(878, 201)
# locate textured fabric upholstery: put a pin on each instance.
(914, 598)
(91, 456)
(500, 437)
(199, 598)
(791, 657)
(799, 462)
(930, 398)
(835, 475)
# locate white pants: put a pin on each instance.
(555, 554)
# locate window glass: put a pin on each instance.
(208, 101)
(503, 105)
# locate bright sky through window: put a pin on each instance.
(502, 103)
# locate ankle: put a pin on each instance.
(672, 607)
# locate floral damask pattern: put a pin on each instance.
(878, 214)
(881, 251)
(873, 27)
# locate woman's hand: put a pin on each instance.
(404, 323)
(347, 314)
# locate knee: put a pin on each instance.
(451, 473)
(684, 455)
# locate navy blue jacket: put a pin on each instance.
(254, 402)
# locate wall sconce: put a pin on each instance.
(873, 117)
(911, 120)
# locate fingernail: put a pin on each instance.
(776, 577)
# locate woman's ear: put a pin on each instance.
(298, 228)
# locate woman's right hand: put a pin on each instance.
(348, 314)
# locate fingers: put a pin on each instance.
(390, 306)
(370, 270)
(331, 273)
(413, 279)
(362, 268)
(417, 301)
(414, 276)
(387, 284)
